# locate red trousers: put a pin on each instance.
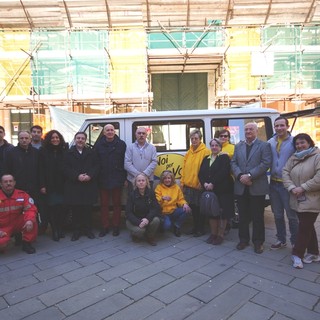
(116, 202)
(17, 226)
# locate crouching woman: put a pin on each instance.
(173, 205)
(142, 211)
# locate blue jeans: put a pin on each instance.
(177, 218)
(279, 197)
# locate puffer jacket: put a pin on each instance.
(305, 173)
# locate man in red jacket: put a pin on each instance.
(17, 214)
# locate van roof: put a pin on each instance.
(164, 114)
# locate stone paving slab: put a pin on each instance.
(181, 278)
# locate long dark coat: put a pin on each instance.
(23, 164)
(75, 163)
(51, 169)
(111, 161)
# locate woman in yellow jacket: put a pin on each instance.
(227, 147)
(173, 205)
(190, 183)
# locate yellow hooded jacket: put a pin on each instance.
(177, 198)
(191, 166)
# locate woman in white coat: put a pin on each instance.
(301, 176)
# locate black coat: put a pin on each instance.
(3, 150)
(139, 207)
(51, 174)
(76, 192)
(23, 164)
(111, 161)
(219, 174)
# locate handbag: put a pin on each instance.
(209, 204)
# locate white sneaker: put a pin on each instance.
(297, 263)
(309, 258)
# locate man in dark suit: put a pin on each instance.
(250, 163)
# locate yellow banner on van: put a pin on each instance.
(169, 161)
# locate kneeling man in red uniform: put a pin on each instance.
(17, 214)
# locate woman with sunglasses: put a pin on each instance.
(227, 147)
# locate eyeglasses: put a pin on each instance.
(141, 133)
(223, 136)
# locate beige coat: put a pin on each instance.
(305, 173)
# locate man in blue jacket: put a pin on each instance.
(282, 148)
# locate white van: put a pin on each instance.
(169, 130)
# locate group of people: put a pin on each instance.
(61, 180)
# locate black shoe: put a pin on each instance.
(258, 248)
(242, 245)
(75, 236)
(18, 239)
(151, 241)
(103, 232)
(189, 232)
(62, 234)
(27, 247)
(135, 239)
(55, 235)
(198, 234)
(90, 235)
(116, 231)
(177, 231)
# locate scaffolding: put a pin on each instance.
(110, 71)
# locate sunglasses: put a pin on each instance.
(223, 136)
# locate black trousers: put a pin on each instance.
(81, 217)
(251, 209)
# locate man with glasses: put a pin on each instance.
(140, 157)
(250, 163)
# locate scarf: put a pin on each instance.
(303, 153)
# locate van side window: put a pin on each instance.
(169, 135)
(95, 131)
(236, 128)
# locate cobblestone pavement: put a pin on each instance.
(181, 278)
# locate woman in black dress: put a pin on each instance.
(52, 180)
(215, 175)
